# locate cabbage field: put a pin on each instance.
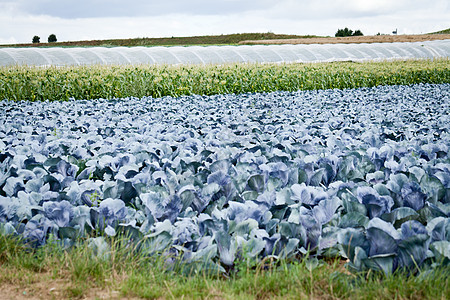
(362, 174)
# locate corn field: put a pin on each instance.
(94, 82)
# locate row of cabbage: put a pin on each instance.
(358, 173)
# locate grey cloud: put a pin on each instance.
(70, 9)
(275, 9)
(338, 9)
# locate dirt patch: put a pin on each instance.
(45, 289)
(44, 286)
(354, 39)
(54, 289)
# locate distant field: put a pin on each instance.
(224, 39)
(355, 39)
(242, 39)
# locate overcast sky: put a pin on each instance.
(72, 20)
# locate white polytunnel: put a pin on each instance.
(223, 54)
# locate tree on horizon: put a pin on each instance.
(52, 38)
(348, 32)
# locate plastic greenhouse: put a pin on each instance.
(223, 54)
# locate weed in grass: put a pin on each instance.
(9, 245)
(76, 291)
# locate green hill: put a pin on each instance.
(445, 31)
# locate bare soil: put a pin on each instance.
(43, 286)
(353, 39)
(53, 289)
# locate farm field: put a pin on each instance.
(107, 82)
(242, 38)
(325, 180)
(234, 190)
(224, 39)
(352, 39)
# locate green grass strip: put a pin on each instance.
(93, 82)
(51, 272)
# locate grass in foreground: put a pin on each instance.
(93, 82)
(51, 272)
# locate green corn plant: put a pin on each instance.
(93, 82)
